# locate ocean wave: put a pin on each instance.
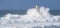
(33, 15)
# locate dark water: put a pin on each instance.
(22, 12)
(52, 26)
(55, 12)
(4, 12)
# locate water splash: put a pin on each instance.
(33, 15)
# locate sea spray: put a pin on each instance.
(33, 15)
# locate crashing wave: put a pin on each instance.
(33, 15)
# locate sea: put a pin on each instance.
(23, 12)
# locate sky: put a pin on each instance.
(26, 4)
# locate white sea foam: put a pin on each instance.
(33, 15)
